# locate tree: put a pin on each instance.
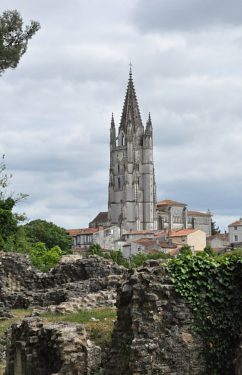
(13, 38)
(49, 234)
(214, 229)
(8, 219)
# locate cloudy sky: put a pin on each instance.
(55, 108)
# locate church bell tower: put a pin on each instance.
(132, 188)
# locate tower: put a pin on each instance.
(132, 188)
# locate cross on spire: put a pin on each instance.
(130, 68)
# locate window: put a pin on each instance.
(236, 238)
(118, 169)
(119, 183)
(235, 228)
(123, 141)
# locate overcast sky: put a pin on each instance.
(55, 108)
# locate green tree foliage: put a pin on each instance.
(49, 234)
(8, 219)
(209, 250)
(14, 38)
(214, 228)
(138, 259)
(43, 258)
(116, 256)
(212, 285)
(186, 250)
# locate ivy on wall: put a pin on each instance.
(213, 287)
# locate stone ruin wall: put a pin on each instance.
(152, 335)
(22, 286)
(37, 348)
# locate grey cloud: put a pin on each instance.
(187, 15)
(56, 106)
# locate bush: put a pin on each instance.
(212, 286)
(115, 256)
(44, 259)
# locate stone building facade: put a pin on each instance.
(175, 216)
(132, 188)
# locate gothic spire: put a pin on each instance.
(148, 130)
(130, 111)
(149, 122)
(112, 121)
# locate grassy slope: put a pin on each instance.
(98, 322)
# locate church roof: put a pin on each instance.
(169, 202)
(131, 112)
(101, 217)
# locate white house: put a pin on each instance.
(235, 233)
(82, 238)
(107, 237)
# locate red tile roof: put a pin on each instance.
(160, 233)
(182, 232)
(221, 236)
(169, 202)
(198, 213)
(76, 232)
(237, 223)
(147, 242)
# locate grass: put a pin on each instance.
(17, 315)
(98, 322)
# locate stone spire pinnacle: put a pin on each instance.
(148, 130)
(112, 121)
(130, 111)
(149, 119)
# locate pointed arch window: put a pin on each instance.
(123, 140)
